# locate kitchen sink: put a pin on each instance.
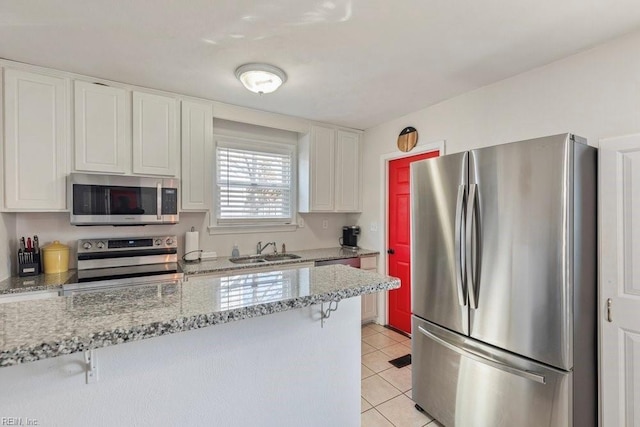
(247, 260)
(280, 257)
(263, 258)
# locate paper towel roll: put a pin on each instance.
(192, 246)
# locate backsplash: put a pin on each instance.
(55, 226)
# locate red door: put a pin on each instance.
(399, 248)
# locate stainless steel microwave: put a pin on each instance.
(122, 200)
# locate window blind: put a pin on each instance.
(253, 185)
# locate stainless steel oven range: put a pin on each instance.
(105, 263)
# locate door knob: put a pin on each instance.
(391, 251)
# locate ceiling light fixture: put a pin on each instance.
(260, 78)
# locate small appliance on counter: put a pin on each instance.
(349, 239)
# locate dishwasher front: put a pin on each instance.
(353, 262)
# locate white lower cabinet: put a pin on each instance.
(369, 301)
(36, 141)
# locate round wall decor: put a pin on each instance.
(407, 139)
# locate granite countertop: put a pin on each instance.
(41, 282)
(43, 328)
(309, 255)
(47, 282)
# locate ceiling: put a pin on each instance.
(356, 63)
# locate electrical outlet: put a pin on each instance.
(300, 222)
(373, 226)
(325, 224)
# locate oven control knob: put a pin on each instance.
(169, 241)
(100, 245)
(87, 245)
(158, 242)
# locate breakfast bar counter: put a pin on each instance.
(43, 328)
(285, 351)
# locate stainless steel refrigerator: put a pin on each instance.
(503, 276)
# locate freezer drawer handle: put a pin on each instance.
(478, 358)
(459, 254)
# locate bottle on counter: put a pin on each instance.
(235, 252)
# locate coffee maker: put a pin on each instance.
(349, 238)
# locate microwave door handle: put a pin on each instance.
(159, 201)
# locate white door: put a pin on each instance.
(155, 141)
(101, 128)
(619, 300)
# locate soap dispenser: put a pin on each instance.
(235, 253)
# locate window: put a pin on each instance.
(254, 183)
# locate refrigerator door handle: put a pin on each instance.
(481, 359)
(471, 208)
(459, 253)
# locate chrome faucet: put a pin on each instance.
(261, 248)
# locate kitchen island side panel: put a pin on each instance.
(276, 370)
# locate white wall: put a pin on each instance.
(594, 94)
(7, 235)
(55, 226)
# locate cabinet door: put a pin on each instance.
(101, 140)
(369, 302)
(197, 131)
(155, 143)
(322, 169)
(36, 141)
(347, 185)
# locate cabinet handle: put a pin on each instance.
(609, 302)
(391, 251)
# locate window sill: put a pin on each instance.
(243, 229)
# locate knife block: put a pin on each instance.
(29, 268)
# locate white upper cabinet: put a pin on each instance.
(329, 171)
(197, 132)
(156, 148)
(36, 141)
(347, 172)
(102, 128)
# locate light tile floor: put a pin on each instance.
(386, 390)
